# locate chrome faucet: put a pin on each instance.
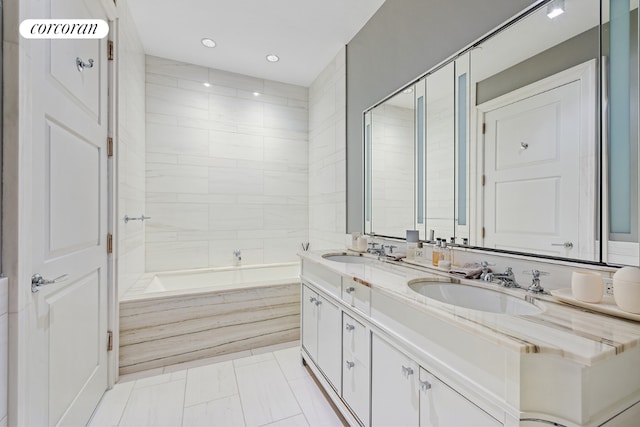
(535, 287)
(376, 251)
(507, 279)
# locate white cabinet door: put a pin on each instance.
(355, 359)
(309, 322)
(441, 406)
(394, 386)
(329, 341)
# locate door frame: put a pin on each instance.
(586, 74)
(16, 200)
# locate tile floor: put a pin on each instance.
(262, 387)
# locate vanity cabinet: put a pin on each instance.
(403, 393)
(394, 386)
(321, 338)
(355, 367)
(441, 406)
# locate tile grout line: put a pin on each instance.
(292, 392)
(235, 376)
(124, 408)
(184, 395)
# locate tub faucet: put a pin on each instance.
(237, 256)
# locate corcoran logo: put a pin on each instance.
(64, 29)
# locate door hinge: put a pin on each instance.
(110, 50)
(109, 340)
(109, 146)
(484, 128)
(484, 179)
(483, 232)
(109, 243)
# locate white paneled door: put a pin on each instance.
(68, 318)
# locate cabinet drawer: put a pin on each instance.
(355, 366)
(322, 277)
(357, 294)
(355, 339)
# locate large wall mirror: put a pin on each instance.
(525, 142)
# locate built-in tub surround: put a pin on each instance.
(175, 317)
(327, 155)
(564, 365)
(226, 167)
(130, 151)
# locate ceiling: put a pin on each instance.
(306, 35)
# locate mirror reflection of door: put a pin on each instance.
(539, 183)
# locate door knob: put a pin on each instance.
(349, 327)
(37, 281)
(350, 289)
(350, 364)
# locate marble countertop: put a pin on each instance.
(570, 332)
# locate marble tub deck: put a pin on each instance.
(161, 330)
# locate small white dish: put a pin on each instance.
(626, 289)
(586, 286)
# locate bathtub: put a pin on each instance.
(182, 316)
(224, 278)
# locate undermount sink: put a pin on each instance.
(348, 259)
(474, 298)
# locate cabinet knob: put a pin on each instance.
(312, 299)
(425, 385)
(350, 364)
(406, 371)
(318, 302)
(350, 290)
(349, 327)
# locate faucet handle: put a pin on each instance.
(391, 248)
(535, 281)
(485, 270)
(373, 244)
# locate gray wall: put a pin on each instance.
(401, 41)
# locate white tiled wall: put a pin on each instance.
(327, 154)
(130, 151)
(392, 182)
(225, 169)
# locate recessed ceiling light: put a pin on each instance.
(408, 90)
(555, 9)
(273, 58)
(208, 42)
(256, 93)
(206, 84)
